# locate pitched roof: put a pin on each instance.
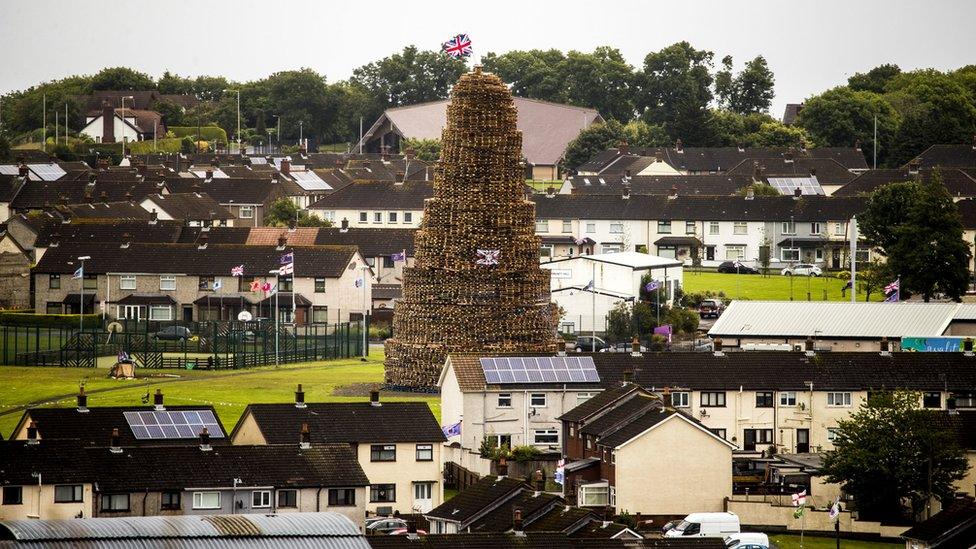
(633, 428)
(477, 499)
(190, 206)
(958, 182)
(561, 520)
(828, 170)
(104, 210)
(620, 413)
(598, 402)
(534, 540)
(708, 185)
(347, 422)
(190, 259)
(532, 504)
(19, 460)
(947, 156)
(371, 242)
(409, 195)
(724, 159)
(230, 190)
(953, 526)
(36, 195)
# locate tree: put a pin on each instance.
(210, 88)
(428, 150)
(875, 79)
(842, 117)
(4, 147)
(171, 112)
(890, 451)
(674, 91)
(934, 108)
(602, 80)
(641, 134)
(187, 146)
(530, 73)
(592, 140)
(174, 84)
(759, 189)
(873, 278)
(751, 91)
(777, 134)
(283, 212)
(121, 78)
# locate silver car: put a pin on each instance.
(803, 269)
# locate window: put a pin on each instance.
(832, 433)
(160, 312)
(382, 452)
(91, 282)
(127, 282)
(791, 254)
(567, 226)
(287, 498)
(838, 399)
(320, 285)
(764, 399)
(342, 497)
(423, 490)
(713, 399)
(247, 212)
(206, 500)
(590, 227)
(689, 227)
(537, 400)
(964, 399)
(739, 227)
(167, 282)
(787, 398)
(244, 283)
(789, 227)
(542, 226)
(719, 433)
(545, 436)
(616, 228)
(261, 498)
(13, 495)
(713, 227)
(382, 493)
(388, 262)
(377, 217)
(504, 400)
(583, 397)
(497, 441)
(205, 284)
(680, 400)
(734, 252)
(320, 314)
(408, 217)
(752, 437)
(425, 452)
(596, 494)
(54, 282)
(391, 217)
(363, 217)
(664, 227)
(932, 400)
(839, 229)
(284, 284)
(612, 248)
(115, 502)
(53, 307)
(69, 493)
(170, 500)
(815, 228)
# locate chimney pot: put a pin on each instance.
(205, 440)
(502, 467)
(539, 480)
(82, 400)
(114, 446)
(374, 398)
(32, 433)
(344, 225)
(635, 347)
(153, 217)
(797, 192)
(678, 146)
(517, 521)
(306, 438)
(623, 147)
(717, 347)
(299, 397)
(158, 400)
(857, 144)
(22, 170)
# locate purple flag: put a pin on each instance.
(664, 330)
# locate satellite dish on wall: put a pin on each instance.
(244, 316)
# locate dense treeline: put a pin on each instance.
(677, 92)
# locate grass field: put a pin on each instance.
(813, 542)
(773, 287)
(228, 390)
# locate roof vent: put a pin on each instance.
(158, 401)
(205, 440)
(114, 446)
(306, 438)
(32, 434)
(299, 397)
(374, 398)
(82, 400)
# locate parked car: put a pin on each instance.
(710, 307)
(405, 531)
(737, 267)
(706, 525)
(623, 347)
(747, 540)
(669, 525)
(384, 526)
(803, 269)
(587, 344)
(174, 333)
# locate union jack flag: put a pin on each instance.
(488, 257)
(237, 271)
(458, 47)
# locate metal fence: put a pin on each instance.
(190, 345)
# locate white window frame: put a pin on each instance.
(260, 499)
(408, 217)
(567, 226)
(364, 217)
(612, 248)
(787, 398)
(714, 227)
(582, 397)
(690, 227)
(537, 397)
(839, 229)
(504, 397)
(199, 503)
(542, 225)
(594, 495)
(154, 311)
(791, 254)
(789, 227)
(164, 283)
(681, 399)
(616, 228)
(737, 249)
(377, 217)
(740, 227)
(127, 282)
(663, 226)
(392, 217)
(246, 212)
(845, 398)
(590, 227)
(548, 434)
(815, 227)
(423, 491)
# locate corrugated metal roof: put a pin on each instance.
(206, 543)
(833, 319)
(966, 311)
(187, 526)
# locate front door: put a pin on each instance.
(709, 253)
(423, 497)
(750, 440)
(835, 258)
(188, 313)
(802, 441)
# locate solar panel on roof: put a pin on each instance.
(255, 160)
(47, 172)
(309, 181)
(542, 369)
(808, 186)
(166, 424)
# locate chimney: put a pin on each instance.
(82, 400)
(502, 467)
(344, 225)
(23, 171)
(678, 147)
(788, 156)
(628, 376)
(741, 148)
(857, 144)
(750, 193)
(205, 440)
(635, 347)
(967, 346)
(153, 217)
(274, 177)
(158, 401)
(299, 397)
(102, 163)
(399, 177)
(108, 123)
(717, 347)
(885, 347)
(306, 438)
(285, 166)
(626, 176)
(539, 481)
(550, 192)
(114, 446)
(813, 172)
(282, 241)
(913, 167)
(808, 346)
(797, 193)
(517, 522)
(374, 398)
(32, 433)
(623, 147)
(208, 175)
(626, 193)
(141, 170)
(201, 244)
(673, 193)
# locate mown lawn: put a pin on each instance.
(229, 391)
(773, 287)
(813, 542)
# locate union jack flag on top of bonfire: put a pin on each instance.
(458, 47)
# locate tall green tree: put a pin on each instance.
(592, 140)
(530, 73)
(841, 117)
(750, 91)
(675, 88)
(934, 109)
(890, 451)
(875, 79)
(283, 212)
(602, 80)
(122, 78)
(174, 84)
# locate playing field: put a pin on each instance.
(773, 287)
(812, 542)
(228, 390)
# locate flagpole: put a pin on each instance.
(593, 307)
(294, 319)
(277, 313)
(853, 234)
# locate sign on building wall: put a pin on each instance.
(932, 344)
(561, 273)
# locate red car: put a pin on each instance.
(710, 307)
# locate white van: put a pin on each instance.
(747, 540)
(719, 525)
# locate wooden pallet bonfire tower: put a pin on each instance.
(476, 285)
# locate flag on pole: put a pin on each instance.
(287, 264)
(237, 271)
(560, 476)
(452, 430)
(402, 256)
(458, 47)
(80, 273)
(893, 292)
(834, 510)
(218, 284)
(800, 499)
(288, 258)
(255, 286)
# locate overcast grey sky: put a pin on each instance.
(811, 45)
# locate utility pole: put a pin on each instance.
(44, 122)
(124, 97)
(65, 123)
(238, 119)
(81, 295)
(875, 141)
(361, 139)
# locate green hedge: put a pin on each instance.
(48, 321)
(207, 133)
(167, 145)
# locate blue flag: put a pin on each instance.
(80, 273)
(452, 430)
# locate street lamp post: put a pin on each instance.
(81, 294)
(278, 131)
(277, 313)
(238, 119)
(365, 312)
(300, 132)
(122, 140)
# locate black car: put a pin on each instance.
(174, 333)
(587, 344)
(735, 267)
